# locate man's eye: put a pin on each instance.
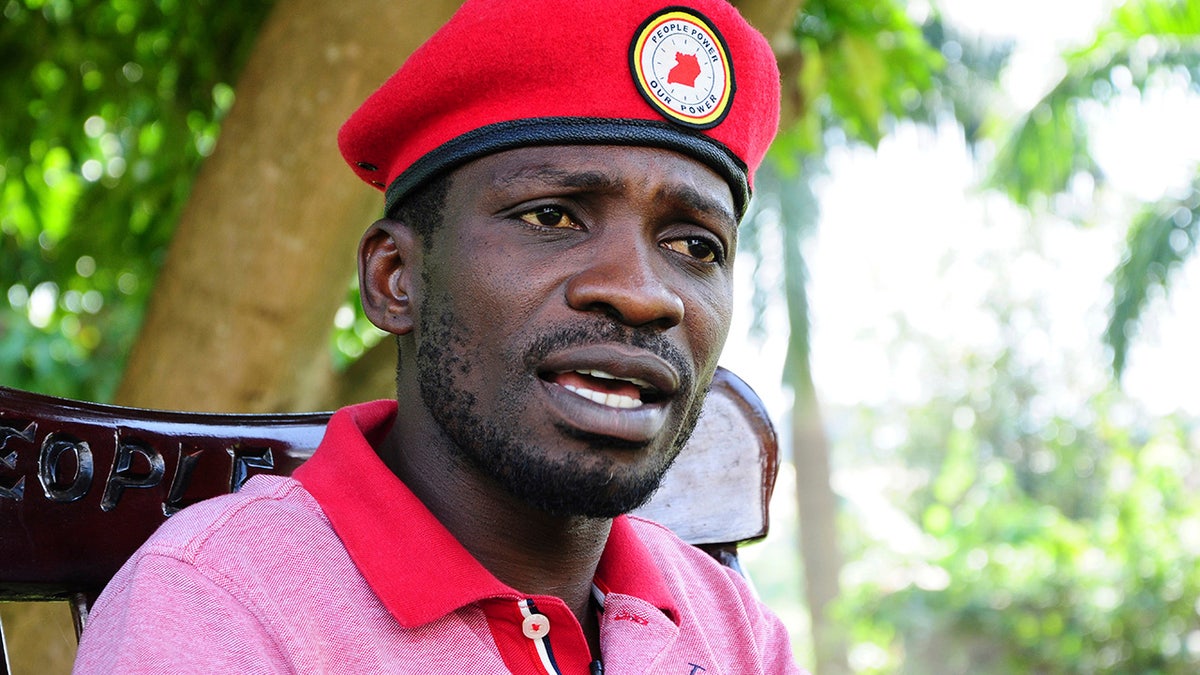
(549, 216)
(695, 247)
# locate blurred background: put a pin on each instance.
(966, 291)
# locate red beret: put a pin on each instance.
(504, 74)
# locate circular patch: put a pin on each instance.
(681, 66)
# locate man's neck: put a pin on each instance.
(527, 549)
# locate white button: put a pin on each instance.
(535, 626)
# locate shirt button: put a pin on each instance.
(535, 626)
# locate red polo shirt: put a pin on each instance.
(342, 569)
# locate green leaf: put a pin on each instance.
(1161, 238)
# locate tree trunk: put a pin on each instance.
(242, 311)
(775, 19)
(819, 546)
(816, 501)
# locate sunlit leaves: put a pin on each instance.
(1142, 39)
(856, 97)
(1066, 545)
(108, 108)
(1144, 44)
(1050, 144)
(1155, 17)
(1160, 239)
(353, 333)
(863, 64)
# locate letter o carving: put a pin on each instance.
(53, 448)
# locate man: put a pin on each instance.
(563, 184)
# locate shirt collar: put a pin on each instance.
(413, 564)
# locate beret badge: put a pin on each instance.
(681, 66)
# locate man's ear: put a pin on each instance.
(388, 256)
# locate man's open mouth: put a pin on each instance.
(607, 389)
(610, 390)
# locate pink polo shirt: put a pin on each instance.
(341, 569)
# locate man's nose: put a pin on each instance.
(624, 280)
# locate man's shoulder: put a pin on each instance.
(679, 561)
(658, 536)
(270, 537)
(267, 511)
(716, 606)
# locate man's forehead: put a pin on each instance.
(668, 175)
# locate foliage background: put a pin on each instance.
(108, 109)
(1007, 504)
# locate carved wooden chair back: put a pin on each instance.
(82, 485)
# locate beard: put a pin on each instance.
(559, 483)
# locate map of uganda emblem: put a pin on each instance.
(681, 66)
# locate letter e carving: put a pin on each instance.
(14, 490)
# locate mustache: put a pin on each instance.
(586, 333)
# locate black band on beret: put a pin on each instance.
(520, 133)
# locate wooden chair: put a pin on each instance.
(82, 485)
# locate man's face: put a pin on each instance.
(571, 311)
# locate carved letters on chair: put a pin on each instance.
(82, 485)
(66, 466)
(13, 489)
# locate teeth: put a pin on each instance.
(610, 400)
(641, 384)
